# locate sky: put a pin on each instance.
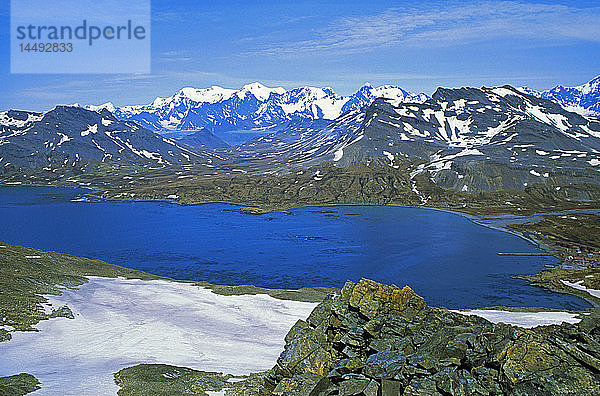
(340, 44)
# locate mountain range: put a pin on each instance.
(254, 106)
(466, 139)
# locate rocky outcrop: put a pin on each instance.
(381, 340)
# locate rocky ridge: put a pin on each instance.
(373, 339)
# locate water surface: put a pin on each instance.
(444, 257)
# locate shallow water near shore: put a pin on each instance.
(444, 257)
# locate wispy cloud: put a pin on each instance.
(120, 88)
(174, 56)
(447, 26)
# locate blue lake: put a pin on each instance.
(444, 257)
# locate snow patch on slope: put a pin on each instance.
(120, 323)
(524, 319)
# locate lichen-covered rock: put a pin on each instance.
(372, 299)
(306, 352)
(373, 339)
(353, 386)
(390, 387)
(386, 364)
(419, 387)
(299, 385)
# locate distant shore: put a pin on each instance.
(313, 294)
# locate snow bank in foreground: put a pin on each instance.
(579, 286)
(119, 323)
(523, 319)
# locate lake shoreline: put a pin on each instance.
(540, 244)
(478, 220)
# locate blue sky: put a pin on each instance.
(338, 44)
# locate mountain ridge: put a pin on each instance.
(583, 99)
(68, 135)
(258, 107)
(254, 106)
(465, 139)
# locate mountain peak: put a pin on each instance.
(254, 86)
(108, 106)
(365, 89)
(583, 99)
(211, 95)
(259, 91)
(595, 80)
(591, 86)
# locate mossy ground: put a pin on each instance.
(27, 274)
(355, 185)
(551, 278)
(262, 192)
(306, 294)
(163, 379)
(550, 231)
(160, 379)
(577, 227)
(17, 385)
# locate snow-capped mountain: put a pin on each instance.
(66, 135)
(469, 139)
(583, 99)
(500, 124)
(252, 106)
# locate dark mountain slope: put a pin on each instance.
(71, 135)
(204, 139)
